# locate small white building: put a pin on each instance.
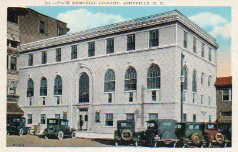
(128, 70)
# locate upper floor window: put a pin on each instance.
(43, 87)
(58, 85)
(210, 54)
(131, 42)
(153, 77)
(130, 79)
(185, 74)
(12, 87)
(202, 51)
(209, 81)
(109, 119)
(42, 118)
(29, 118)
(74, 52)
(226, 94)
(91, 49)
(109, 82)
(194, 45)
(84, 88)
(43, 57)
(130, 116)
(30, 88)
(13, 63)
(185, 39)
(194, 82)
(202, 78)
(110, 45)
(12, 43)
(30, 59)
(153, 116)
(58, 55)
(60, 31)
(12, 17)
(154, 38)
(42, 27)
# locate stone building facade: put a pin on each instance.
(129, 70)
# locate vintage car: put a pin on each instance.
(16, 125)
(58, 128)
(160, 132)
(212, 135)
(125, 132)
(190, 134)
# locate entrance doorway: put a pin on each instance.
(83, 119)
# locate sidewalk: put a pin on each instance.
(87, 134)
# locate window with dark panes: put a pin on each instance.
(12, 17)
(130, 79)
(225, 94)
(194, 45)
(194, 95)
(58, 85)
(184, 117)
(57, 116)
(13, 63)
(153, 77)
(109, 82)
(43, 87)
(201, 99)
(30, 88)
(130, 96)
(194, 82)
(30, 59)
(109, 98)
(12, 88)
(185, 39)
(131, 42)
(97, 117)
(74, 52)
(109, 119)
(209, 81)
(29, 118)
(43, 101)
(153, 116)
(84, 88)
(12, 43)
(58, 55)
(91, 49)
(42, 118)
(210, 54)
(202, 51)
(58, 100)
(153, 95)
(154, 38)
(43, 57)
(42, 27)
(60, 31)
(130, 116)
(110, 45)
(185, 74)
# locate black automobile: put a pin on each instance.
(17, 125)
(160, 132)
(125, 132)
(58, 128)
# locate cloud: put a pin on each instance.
(223, 62)
(206, 19)
(82, 19)
(222, 31)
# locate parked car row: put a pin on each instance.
(170, 133)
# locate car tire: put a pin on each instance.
(46, 137)
(73, 134)
(20, 133)
(60, 135)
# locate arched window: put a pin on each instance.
(130, 79)
(43, 87)
(153, 77)
(58, 85)
(109, 81)
(202, 78)
(185, 74)
(194, 82)
(30, 88)
(84, 88)
(209, 81)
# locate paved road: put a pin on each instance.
(34, 141)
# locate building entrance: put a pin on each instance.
(83, 119)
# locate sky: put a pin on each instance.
(215, 20)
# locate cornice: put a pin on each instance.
(143, 22)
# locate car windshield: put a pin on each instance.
(211, 126)
(196, 127)
(16, 121)
(52, 122)
(151, 125)
(125, 125)
(64, 122)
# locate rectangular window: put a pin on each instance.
(58, 100)
(210, 54)
(193, 97)
(42, 118)
(65, 115)
(226, 95)
(225, 113)
(109, 119)
(153, 116)
(13, 63)
(202, 51)
(201, 99)
(43, 57)
(43, 101)
(58, 55)
(185, 39)
(42, 27)
(194, 45)
(154, 38)
(131, 42)
(30, 102)
(97, 117)
(184, 117)
(29, 118)
(194, 117)
(60, 31)
(109, 98)
(74, 52)
(153, 95)
(130, 96)
(57, 116)
(130, 116)
(12, 43)
(210, 118)
(91, 49)
(12, 88)
(110, 45)
(30, 59)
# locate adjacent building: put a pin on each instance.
(224, 100)
(25, 25)
(128, 70)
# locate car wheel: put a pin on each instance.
(46, 137)
(73, 135)
(60, 135)
(20, 133)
